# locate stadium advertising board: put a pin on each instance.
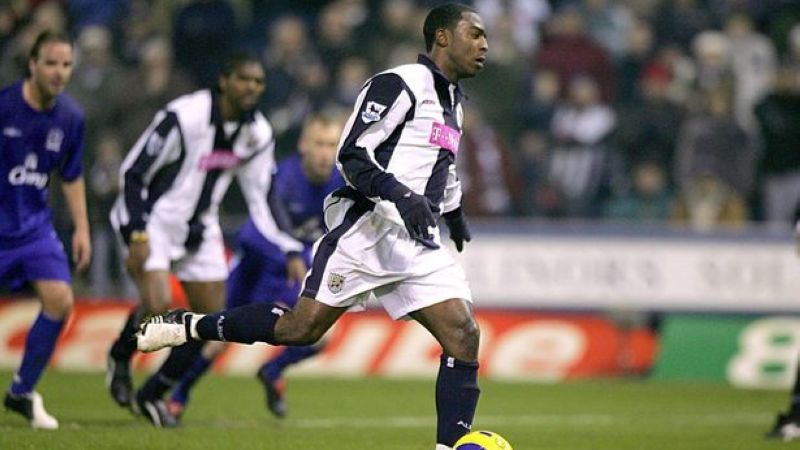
(515, 345)
(747, 352)
(665, 274)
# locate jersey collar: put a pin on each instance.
(216, 114)
(438, 75)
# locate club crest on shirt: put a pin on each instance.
(335, 282)
(54, 139)
(372, 112)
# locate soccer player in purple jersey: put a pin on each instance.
(258, 269)
(41, 131)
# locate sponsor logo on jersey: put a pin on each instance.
(372, 112)
(335, 282)
(12, 132)
(427, 101)
(54, 139)
(219, 159)
(445, 137)
(26, 174)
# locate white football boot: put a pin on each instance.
(165, 330)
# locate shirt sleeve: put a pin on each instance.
(255, 179)
(384, 104)
(160, 144)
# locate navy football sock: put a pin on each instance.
(39, 346)
(288, 356)
(246, 324)
(457, 395)
(125, 345)
(179, 361)
(181, 392)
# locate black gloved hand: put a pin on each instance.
(459, 231)
(417, 216)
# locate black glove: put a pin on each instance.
(459, 231)
(417, 216)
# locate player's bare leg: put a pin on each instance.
(452, 324)
(57, 301)
(205, 297)
(156, 297)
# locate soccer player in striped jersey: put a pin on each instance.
(258, 269)
(42, 132)
(172, 183)
(397, 155)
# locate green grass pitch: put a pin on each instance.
(369, 414)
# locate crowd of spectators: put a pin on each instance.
(682, 111)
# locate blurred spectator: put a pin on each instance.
(397, 27)
(296, 78)
(104, 13)
(335, 34)
(48, 15)
(754, 65)
(350, 78)
(648, 200)
(680, 20)
(648, 129)
(609, 23)
(144, 20)
(8, 24)
(489, 180)
(638, 53)
(791, 58)
(779, 118)
(158, 81)
(570, 52)
(579, 163)
(102, 188)
(682, 73)
(97, 74)
(203, 34)
(539, 196)
(525, 17)
(499, 106)
(714, 68)
(706, 202)
(539, 106)
(712, 145)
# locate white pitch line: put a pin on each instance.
(533, 420)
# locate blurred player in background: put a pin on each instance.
(172, 183)
(42, 131)
(397, 155)
(258, 270)
(787, 425)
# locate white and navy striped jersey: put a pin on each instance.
(405, 129)
(180, 168)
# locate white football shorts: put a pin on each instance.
(167, 252)
(366, 256)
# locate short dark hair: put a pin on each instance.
(46, 37)
(443, 16)
(238, 59)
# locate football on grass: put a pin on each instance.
(482, 440)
